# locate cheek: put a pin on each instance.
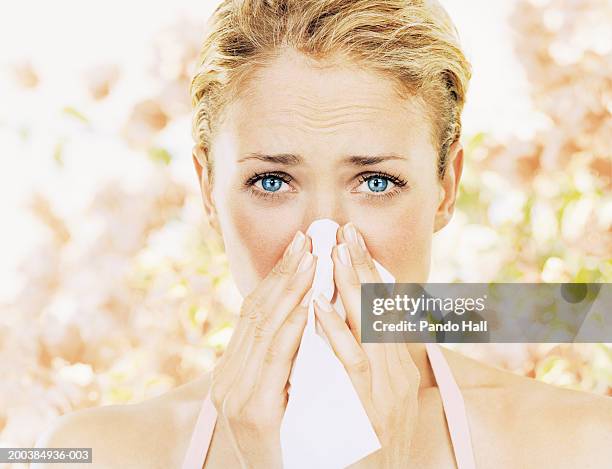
(401, 240)
(261, 238)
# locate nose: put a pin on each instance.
(327, 205)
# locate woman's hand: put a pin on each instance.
(384, 375)
(249, 382)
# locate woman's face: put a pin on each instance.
(306, 143)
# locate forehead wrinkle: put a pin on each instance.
(322, 125)
(309, 104)
(330, 119)
(320, 115)
(323, 112)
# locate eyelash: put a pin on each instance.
(395, 179)
(250, 182)
(399, 183)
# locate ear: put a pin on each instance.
(200, 162)
(449, 186)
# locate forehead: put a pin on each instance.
(293, 100)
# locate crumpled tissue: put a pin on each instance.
(325, 425)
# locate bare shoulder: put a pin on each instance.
(152, 434)
(574, 428)
(553, 426)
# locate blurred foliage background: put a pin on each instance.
(114, 288)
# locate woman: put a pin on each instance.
(348, 110)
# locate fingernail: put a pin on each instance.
(350, 232)
(298, 242)
(323, 303)
(306, 262)
(361, 241)
(307, 298)
(343, 254)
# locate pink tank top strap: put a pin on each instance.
(452, 400)
(202, 436)
(454, 408)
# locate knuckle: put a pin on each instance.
(248, 417)
(255, 315)
(360, 364)
(360, 260)
(254, 312)
(246, 308)
(251, 301)
(248, 301)
(244, 311)
(354, 281)
(290, 287)
(297, 316)
(280, 269)
(254, 417)
(262, 329)
(271, 355)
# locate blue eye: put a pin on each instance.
(377, 184)
(380, 185)
(271, 183)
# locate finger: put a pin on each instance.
(360, 256)
(279, 357)
(265, 330)
(254, 307)
(285, 267)
(400, 378)
(264, 318)
(404, 375)
(406, 360)
(353, 357)
(349, 288)
(254, 301)
(348, 284)
(359, 269)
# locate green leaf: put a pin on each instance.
(160, 155)
(72, 112)
(58, 154)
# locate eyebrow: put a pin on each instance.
(291, 159)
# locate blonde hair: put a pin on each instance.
(413, 42)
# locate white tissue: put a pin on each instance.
(325, 426)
